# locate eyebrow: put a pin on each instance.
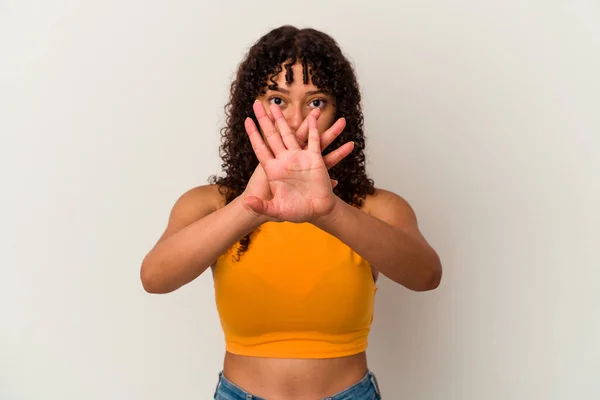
(285, 91)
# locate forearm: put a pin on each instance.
(399, 255)
(183, 256)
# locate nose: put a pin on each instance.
(293, 116)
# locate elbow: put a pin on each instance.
(435, 279)
(150, 286)
(433, 276)
(151, 282)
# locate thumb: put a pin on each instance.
(258, 205)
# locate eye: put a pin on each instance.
(318, 103)
(276, 100)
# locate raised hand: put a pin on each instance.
(299, 183)
(258, 184)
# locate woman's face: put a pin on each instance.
(297, 100)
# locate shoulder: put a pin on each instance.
(199, 200)
(391, 208)
(383, 199)
(192, 205)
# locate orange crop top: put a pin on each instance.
(297, 292)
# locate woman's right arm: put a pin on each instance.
(200, 228)
(198, 232)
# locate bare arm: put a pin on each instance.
(389, 239)
(200, 230)
(197, 234)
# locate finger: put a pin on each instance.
(338, 154)
(314, 141)
(302, 131)
(273, 137)
(270, 115)
(286, 133)
(272, 118)
(333, 132)
(258, 144)
(334, 183)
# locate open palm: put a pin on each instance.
(298, 178)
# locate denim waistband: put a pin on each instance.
(366, 388)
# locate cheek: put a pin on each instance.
(324, 122)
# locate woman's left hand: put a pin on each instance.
(298, 178)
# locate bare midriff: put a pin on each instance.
(293, 378)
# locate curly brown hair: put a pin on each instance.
(329, 70)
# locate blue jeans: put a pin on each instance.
(365, 389)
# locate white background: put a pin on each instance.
(484, 115)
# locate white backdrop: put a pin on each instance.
(484, 115)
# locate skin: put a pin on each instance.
(292, 183)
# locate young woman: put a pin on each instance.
(295, 235)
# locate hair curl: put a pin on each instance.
(329, 70)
